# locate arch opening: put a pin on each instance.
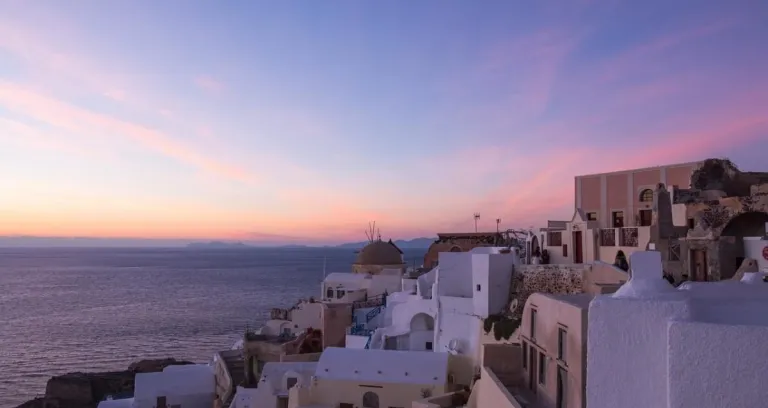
(370, 400)
(422, 322)
(732, 250)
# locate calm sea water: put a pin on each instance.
(64, 310)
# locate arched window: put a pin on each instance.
(646, 195)
(370, 400)
(329, 293)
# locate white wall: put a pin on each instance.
(417, 340)
(455, 275)
(753, 248)
(626, 351)
(679, 215)
(715, 365)
(409, 285)
(357, 342)
(380, 284)
(491, 278)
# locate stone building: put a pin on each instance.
(377, 256)
(700, 231)
(461, 242)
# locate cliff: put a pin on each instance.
(85, 390)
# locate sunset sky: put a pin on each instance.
(301, 121)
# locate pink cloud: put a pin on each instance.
(74, 118)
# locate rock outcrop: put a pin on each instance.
(86, 390)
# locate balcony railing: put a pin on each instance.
(628, 237)
(280, 314)
(374, 301)
(359, 330)
(608, 237)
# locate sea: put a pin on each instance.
(69, 310)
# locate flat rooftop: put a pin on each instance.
(580, 300)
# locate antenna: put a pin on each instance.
(325, 260)
(477, 217)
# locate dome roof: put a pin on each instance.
(380, 253)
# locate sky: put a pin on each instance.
(302, 121)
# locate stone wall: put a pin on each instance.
(528, 279)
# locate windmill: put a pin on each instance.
(372, 233)
(477, 218)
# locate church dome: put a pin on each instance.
(380, 253)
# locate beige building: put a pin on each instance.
(613, 214)
(350, 378)
(377, 256)
(547, 369)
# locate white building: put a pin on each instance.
(350, 287)
(444, 310)
(700, 346)
(350, 378)
(276, 380)
(177, 386)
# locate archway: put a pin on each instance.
(732, 252)
(370, 400)
(422, 322)
(455, 248)
(621, 261)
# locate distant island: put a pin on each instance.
(217, 245)
(416, 243)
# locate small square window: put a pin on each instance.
(478, 288)
(561, 343)
(542, 368)
(428, 345)
(591, 216)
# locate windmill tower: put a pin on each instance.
(372, 233)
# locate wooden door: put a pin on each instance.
(699, 265)
(578, 247)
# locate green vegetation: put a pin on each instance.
(503, 326)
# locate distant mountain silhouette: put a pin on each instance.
(217, 245)
(416, 243)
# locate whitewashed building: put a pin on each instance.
(275, 382)
(444, 310)
(177, 386)
(700, 346)
(373, 378)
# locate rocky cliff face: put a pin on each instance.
(86, 390)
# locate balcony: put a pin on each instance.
(279, 314)
(628, 237)
(607, 237)
(359, 330)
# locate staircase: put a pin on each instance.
(368, 344)
(373, 313)
(233, 361)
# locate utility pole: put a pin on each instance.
(477, 217)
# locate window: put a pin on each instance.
(162, 402)
(340, 294)
(646, 217)
(282, 402)
(542, 368)
(533, 324)
(290, 382)
(691, 223)
(286, 331)
(618, 219)
(561, 338)
(554, 239)
(346, 405)
(565, 250)
(525, 355)
(428, 345)
(478, 288)
(646, 196)
(562, 382)
(591, 216)
(329, 293)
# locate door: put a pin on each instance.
(646, 218)
(532, 371)
(282, 402)
(162, 402)
(698, 265)
(578, 248)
